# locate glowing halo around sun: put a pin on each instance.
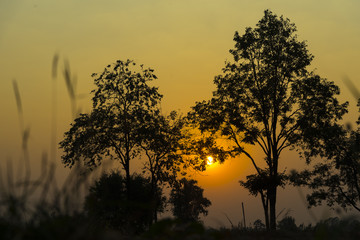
(210, 160)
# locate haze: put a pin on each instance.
(187, 43)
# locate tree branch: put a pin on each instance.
(348, 199)
(243, 151)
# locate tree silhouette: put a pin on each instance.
(122, 104)
(268, 98)
(160, 143)
(188, 200)
(337, 178)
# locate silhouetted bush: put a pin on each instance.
(287, 224)
(259, 225)
(176, 229)
(110, 205)
(335, 228)
(188, 200)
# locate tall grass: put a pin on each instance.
(26, 201)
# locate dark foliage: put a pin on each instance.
(287, 224)
(267, 97)
(122, 103)
(335, 228)
(259, 225)
(110, 206)
(259, 184)
(126, 122)
(188, 200)
(336, 180)
(160, 143)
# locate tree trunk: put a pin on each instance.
(266, 212)
(272, 201)
(265, 204)
(267, 224)
(128, 180)
(153, 199)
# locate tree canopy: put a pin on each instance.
(268, 97)
(123, 102)
(188, 200)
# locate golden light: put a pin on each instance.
(210, 160)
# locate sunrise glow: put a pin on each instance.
(210, 160)
(198, 115)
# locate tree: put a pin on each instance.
(108, 205)
(336, 180)
(160, 143)
(122, 102)
(188, 200)
(267, 97)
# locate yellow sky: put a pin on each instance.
(186, 42)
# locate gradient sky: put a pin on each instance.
(186, 42)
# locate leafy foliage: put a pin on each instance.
(336, 180)
(196, 148)
(335, 228)
(188, 200)
(161, 142)
(109, 206)
(259, 225)
(287, 224)
(122, 104)
(268, 98)
(260, 184)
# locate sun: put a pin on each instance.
(210, 160)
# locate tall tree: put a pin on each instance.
(122, 102)
(267, 97)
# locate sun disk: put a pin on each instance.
(210, 160)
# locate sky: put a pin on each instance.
(187, 43)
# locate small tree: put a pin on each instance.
(188, 200)
(268, 98)
(122, 102)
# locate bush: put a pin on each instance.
(111, 205)
(287, 224)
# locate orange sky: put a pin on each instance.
(186, 42)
